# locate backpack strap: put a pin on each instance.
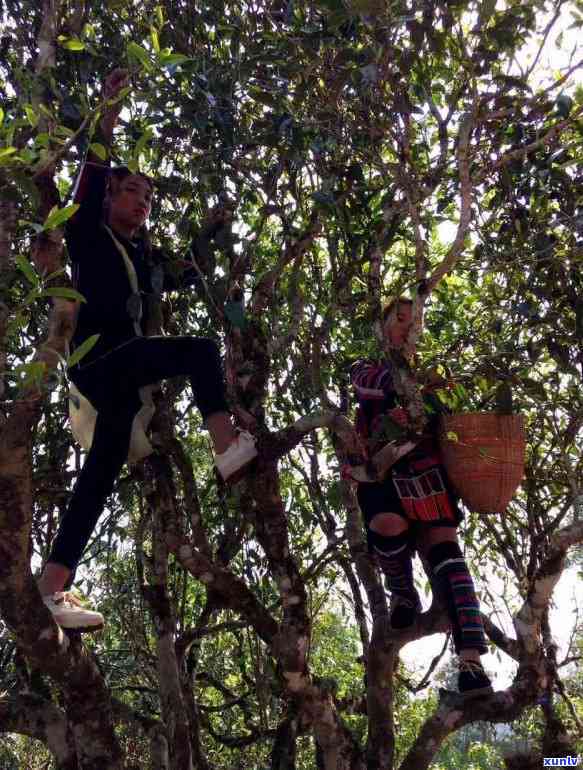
(133, 279)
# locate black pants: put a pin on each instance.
(112, 385)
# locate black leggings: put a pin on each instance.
(112, 385)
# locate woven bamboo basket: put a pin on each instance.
(485, 460)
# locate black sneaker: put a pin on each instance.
(404, 611)
(472, 680)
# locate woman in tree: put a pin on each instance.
(113, 268)
(413, 508)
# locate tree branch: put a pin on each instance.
(466, 191)
(33, 716)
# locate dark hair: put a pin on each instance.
(119, 173)
(389, 307)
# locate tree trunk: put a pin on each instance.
(381, 730)
(173, 709)
(283, 754)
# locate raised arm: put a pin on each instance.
(115, 82)
(90, 186)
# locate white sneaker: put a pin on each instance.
(235, 459)
(68, 612)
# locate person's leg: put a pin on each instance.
(451, 576)
(105, 459)
(54, 577)
(221, 430)
(147, 360)
(389, 540)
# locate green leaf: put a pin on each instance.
(82, 350)
(155, 39)
(29, 272)
(6, 151)
(63, 291)
(26, 155)
(1, 116)
(18, 322)
(45, 110)
(142, 141)
(98, 149)
(487, 8)
(123, 93)
(71, 43)
(31, 115)
(30, 373)
(42, 140)
(54, 274)
(58, 216)
(173, 59)
(31, 297)
(140, 54)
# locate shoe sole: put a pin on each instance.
(82, 629)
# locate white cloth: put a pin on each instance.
(83, 416)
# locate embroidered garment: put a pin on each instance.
(419, 477)
(423, 491)
(451, 574)
(373, 386)
(394, 557)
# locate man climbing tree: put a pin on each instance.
(113, 269)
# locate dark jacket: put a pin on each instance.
(99, 272)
